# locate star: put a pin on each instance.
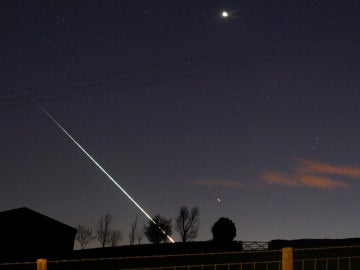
(224, 14)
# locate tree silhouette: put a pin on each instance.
(139, 235)
(223, 230)
(115, 237)
(157, 233)
(132, 234)
(84, 235)
(103, 230)
(187, 224)
(135, 233)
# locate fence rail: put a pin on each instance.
(305, 259)
(339, 263)
(268, 265)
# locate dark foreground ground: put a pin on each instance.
(203, 256)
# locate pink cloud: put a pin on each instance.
(279, 178)
(217, 183)
(308, 173)
(321, 182)
(319, 167)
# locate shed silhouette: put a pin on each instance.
(29, 234)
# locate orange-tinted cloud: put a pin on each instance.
(321, 182)
(323, 168)
(311, 174)
(279, 178)
(217, 183)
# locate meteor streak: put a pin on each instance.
(102, 169)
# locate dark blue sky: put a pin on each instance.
(260, 110)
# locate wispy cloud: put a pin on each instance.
(323, 168)
(279, 178)
(217, 183)
(313, 174)
(321, 182)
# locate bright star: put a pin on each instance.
(224, 14)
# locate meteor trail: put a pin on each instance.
(101, 169)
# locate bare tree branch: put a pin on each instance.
(132, 234)
(84, 235)
(115, 237)
(187, 224)
(139, 235)
(103, 230)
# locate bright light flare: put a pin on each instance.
(103, 170)
(224, 14)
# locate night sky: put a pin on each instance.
(254, 117)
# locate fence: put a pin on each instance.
(349, 263)
(305, 259)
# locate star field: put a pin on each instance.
(254, 117)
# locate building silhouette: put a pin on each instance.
(29, 234)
